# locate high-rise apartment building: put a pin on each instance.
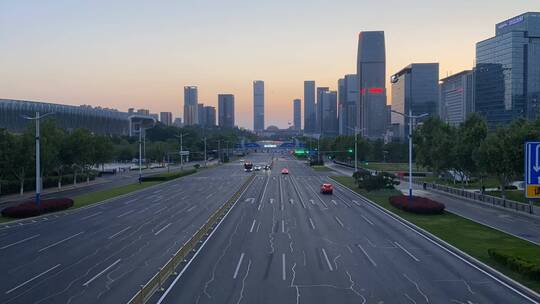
(297, 114)
(329, 122)
(191, 113)
(258, 105)
(226, 110)
(201, 117)
(414, 88)
(210, 116)
(507, 71)
(310, 116)
(320, 107)
(370, 71)
(347, 100)
(456, 97)
(166, 118)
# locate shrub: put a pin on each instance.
(419, 205)
(196, 166)
(29, 208)
(515, 263)
(167, 176)
(366, 180)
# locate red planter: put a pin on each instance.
(29, 208)
(419, 205)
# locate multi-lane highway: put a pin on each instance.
(105, 253)
(285, 243)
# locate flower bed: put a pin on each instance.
(419, 205)
(29, 208)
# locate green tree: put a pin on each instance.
(20, 156)
(433, 145)
(470, 136)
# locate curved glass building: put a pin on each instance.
(96, 119)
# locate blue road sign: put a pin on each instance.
(532, 169)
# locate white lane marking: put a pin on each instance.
(312, 202)
(101, 272)
(126, 213)
(271, 201)
(357, 203)
(159, 210)
(324, 204)
(91, 215)
(30, 280)
(209, 195)
(339, 221)
(61, 241)
(311, 223)
(327, 260)
(116, 234)
(260, 206)
(334, 202)
(252, 226)
(281, 206)
(367, 220)
(18, 242)
(366, 254)
(282, 226)
(130, 201)
(190, 209)
(238, 266)
(283, 273)
(258, 226)
(407, 252)
(303, 205)
(165, 227)
(143, 210)
(291, 201)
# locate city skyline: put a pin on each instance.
(114, 62)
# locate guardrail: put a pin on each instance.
(484, 198)
(157, 281)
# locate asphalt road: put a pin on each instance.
(284, 242)
(511, 222)
(104, 253)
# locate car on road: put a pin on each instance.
(248, 166)
(327, 188)
(257, 168)
(284, 171)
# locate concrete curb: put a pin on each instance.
(508, 282)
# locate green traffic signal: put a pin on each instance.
(350, 150)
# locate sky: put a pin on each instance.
(141, 54)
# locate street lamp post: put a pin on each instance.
(181, 136)
(38, 160)
(356, 131)
(412, 120)
(205, 151)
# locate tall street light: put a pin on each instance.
(144, 122)
(181, 136)
(37, 118)
(412, 121)
(356, 131)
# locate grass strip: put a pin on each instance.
(473, 238)
(321, 168)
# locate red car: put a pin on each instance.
(327, 188)
(284, 171)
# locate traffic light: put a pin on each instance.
(350, 150)
(300, 152)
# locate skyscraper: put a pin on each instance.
(310, 117)
(507, 72)
(370, 71)
(166, 118)
(210, 116)
(226, 110)
(329, 123)
(319, 108)
(456, 97)
(297, 114)
(201, 117)
(347, 99)
(415, 88)
(258, 105)
(191, 114)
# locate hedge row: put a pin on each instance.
(29, 208)
(167, 176)
(11, 186)
(419, 205)
(517, 264)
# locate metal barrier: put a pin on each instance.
(157, 281)
(493, 200)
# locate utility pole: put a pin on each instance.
(140, 153)
(218, 150)
(205, 151)
(37, 118)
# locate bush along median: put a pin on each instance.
(163, 177)
(30, 208)
(515, 257)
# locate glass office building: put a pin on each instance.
(96, 119)
(507, 71)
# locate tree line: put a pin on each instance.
(471, 150)
(74, 156)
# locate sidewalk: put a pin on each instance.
(521, 225)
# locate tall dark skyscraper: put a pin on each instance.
(320, 108)
(297, 114)
(370, 70)
(226, 110)
(507, 72)
(347, 99)
(310, 117)
(209, 116)
(191, 113)
(258, 105)
(329, 122)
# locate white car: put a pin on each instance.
(257, 168)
